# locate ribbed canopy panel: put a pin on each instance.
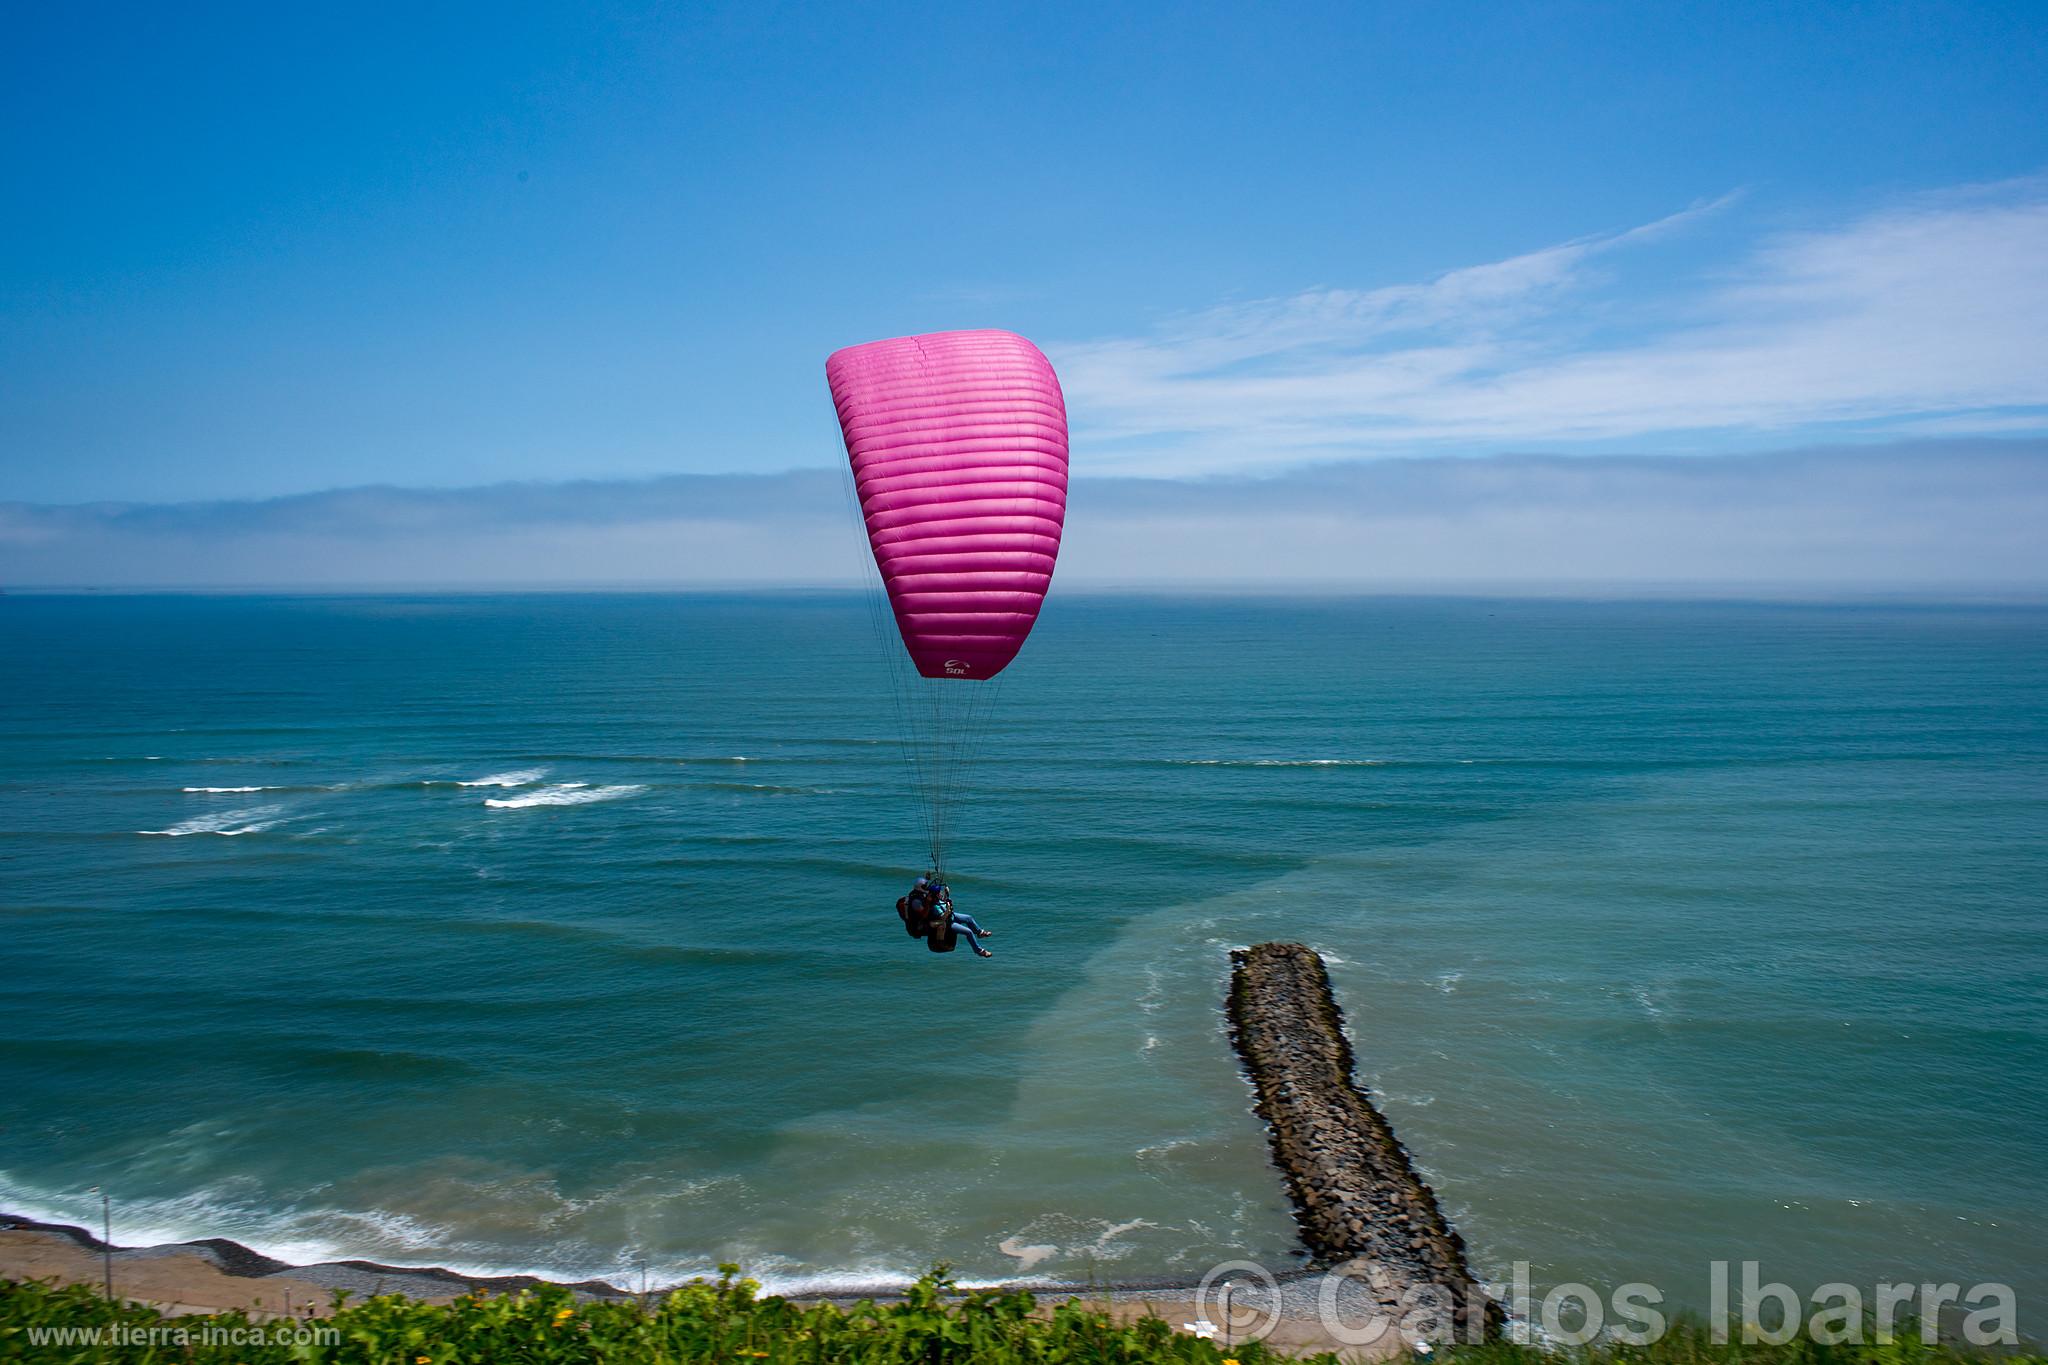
(959, 448)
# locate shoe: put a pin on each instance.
(982, 952)
(988, 933)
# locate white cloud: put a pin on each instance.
(1929, 315)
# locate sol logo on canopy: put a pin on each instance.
(956, 668)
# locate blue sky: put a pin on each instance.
(256, 251)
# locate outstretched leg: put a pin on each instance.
(966, 929)
(967, 922)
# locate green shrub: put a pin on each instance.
(727, 1321)
(722, 1321)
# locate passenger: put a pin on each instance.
(961, 922)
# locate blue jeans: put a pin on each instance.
(965, 924)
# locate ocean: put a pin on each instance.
(556, 932)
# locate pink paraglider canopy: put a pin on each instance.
(959, 448)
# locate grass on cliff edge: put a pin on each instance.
(725, 1321)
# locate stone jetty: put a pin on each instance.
(1357, 1197)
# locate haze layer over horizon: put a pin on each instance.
(1950, 515)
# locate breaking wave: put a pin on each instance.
(518, 778)
(563, 794)
(1278, 762)
(226, 823)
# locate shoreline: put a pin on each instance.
(217, 1274)
(1379, 1244)
(235, 1261)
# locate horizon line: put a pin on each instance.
(1780, 592)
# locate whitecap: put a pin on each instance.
(518, 778)
(1166, 1148)
(1278, 762)
(563, 794)
(227, 823)
(1318, 762)
(222, 790)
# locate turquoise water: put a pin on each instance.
(1667, 931)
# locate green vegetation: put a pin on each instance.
(726, 1321)
(1690, 1343)
(722, 1321)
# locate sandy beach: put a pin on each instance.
(216, 1274)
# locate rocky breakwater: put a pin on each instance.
(1357, 1197)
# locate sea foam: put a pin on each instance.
(1278, 762)
(519, 778)
(227, 823)
(562, 794)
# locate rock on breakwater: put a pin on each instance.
(1357, 1197)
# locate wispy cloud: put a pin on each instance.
(1927, 315)
(1947, 514)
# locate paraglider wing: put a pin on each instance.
(958, 442)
